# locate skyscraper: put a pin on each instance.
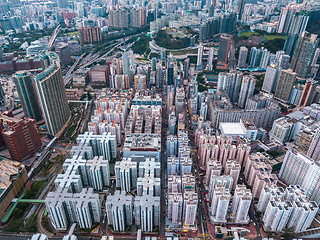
(271, 78)
(292, 22)
(27, 95)
(284, 61)
(89, 34)
(255, 56)
(290, 44)
(20, 136)
(314, 149)
(119, 210)
(308, 93)
(223, 52)
(170, 70)
(241, 4)
(230, 83)
(295, 167)
(147, 212)
(2, 97)
(247, 89)
(52, 97)
(315, 57)
(220, 202)
(242, 60)
(285, 84)
(126, 63)
(241, 203)
(210, 58)
(298, 23)
(200, 55)
(303, 54)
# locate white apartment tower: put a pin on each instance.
(233, 169)
(119, 211)
(126, 174)
(241, 204)
(175, 207)
(220, 202)
(147, 212)
(277, 214)
(190, 205)
(247, 89)
(243, 54)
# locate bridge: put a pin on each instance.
(54, 36)
(15, 203)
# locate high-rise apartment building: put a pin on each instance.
(98, 172)
(102, 145)
(241, 4)
(233, 168)
(51, 94)
(147, 212)
(220, 203)
(308, 93)
(140, 82)
(247, 89)
(271, 78)
(27, 95)
(268, 193)
(285, 84)
(190, 206)
(304, 210)
(314, 148)
(241, 204)
(149, 167)
(200, 56)
(298, 169)
(169, 74)
(148, 185)
(175, 207)
(179, 103)
(213, 167)
(119, 211)
(89, 34)
(65, 207)
(292, 21)
(277, 214)
(303, 54)
(126, 174)
(243, 54)
(295, 167)
(284, 61)
(224, 180)
(20, 136)
(230, 83)
(255, 56)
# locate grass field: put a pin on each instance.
(184, 52)
(72, 34)
(249, 34)
(268, 37)
(272, 37)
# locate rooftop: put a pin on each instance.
(229, 128)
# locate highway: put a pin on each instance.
(69, 74)
(114, 46)
(93, 58)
